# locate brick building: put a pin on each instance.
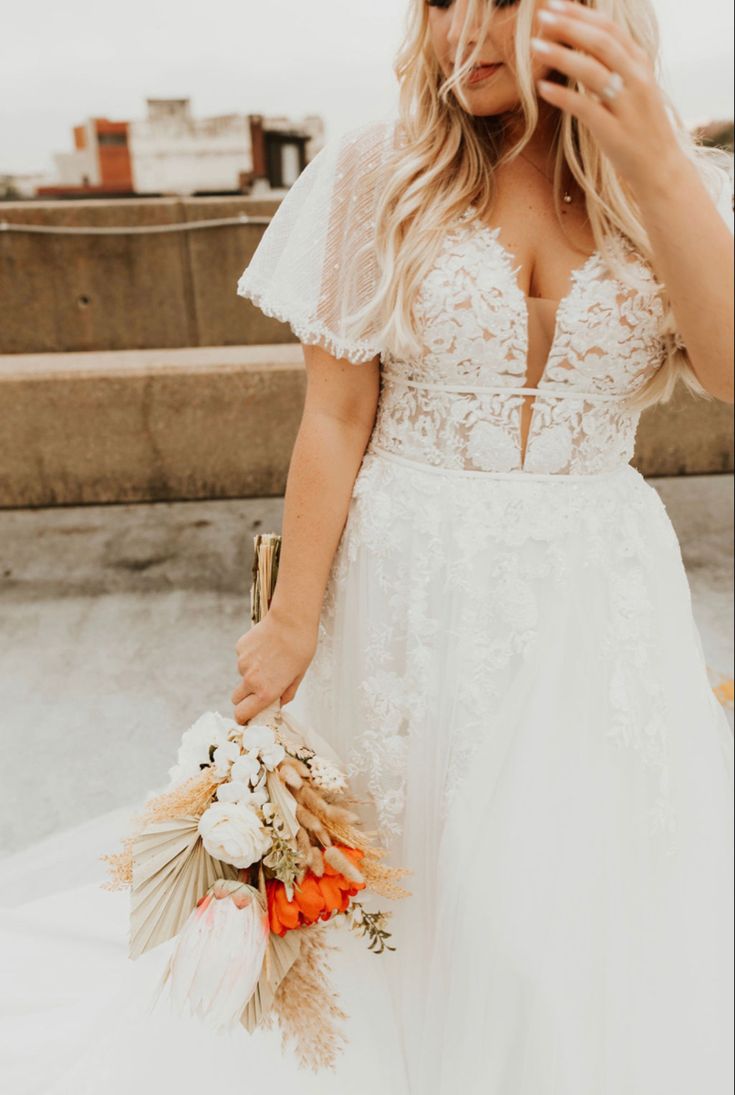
(170, 151)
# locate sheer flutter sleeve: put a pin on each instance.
(721, 189)
(315, 266)
(724, 196)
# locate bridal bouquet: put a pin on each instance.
(244, 859)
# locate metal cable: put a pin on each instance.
(132, 230)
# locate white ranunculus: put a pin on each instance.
(211, 729)
(225, 756)
(260, 740)
(233, 791)
(233, 833)
(272, 757)
(246, 769)
(237, 791)
(257, 735)
(259, 797)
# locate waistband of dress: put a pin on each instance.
(515, 476)
(502, 389)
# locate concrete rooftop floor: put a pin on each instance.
(118, 625)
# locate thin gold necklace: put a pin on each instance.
(567, 196)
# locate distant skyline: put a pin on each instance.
(262, 56)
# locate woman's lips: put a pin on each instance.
(482, 72)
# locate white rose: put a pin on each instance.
(232, 832)
(225, 756)
(211, 729)
(246, 769)
(261, 740)
(236, 791)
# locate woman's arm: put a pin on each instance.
(693, 255)
(338, 418)
(692, 245)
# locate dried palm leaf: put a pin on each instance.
(172, 870)
(189, 799)
(282, 952)
(284, 802)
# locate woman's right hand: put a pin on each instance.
(272, 658)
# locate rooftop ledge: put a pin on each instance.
(218, 422)
(287, 355)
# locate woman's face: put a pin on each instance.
(491, 88)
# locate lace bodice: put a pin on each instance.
(459, 405)
(466, 402)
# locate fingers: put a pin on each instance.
(590, 112)
(576, 65)
(602, 39)
(290, 692)
(251, 706)
(242, 691)
(249, 701)
(265, 663)
(251, 696)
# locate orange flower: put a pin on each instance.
(308, 897)
(314, 899)
(282, 913)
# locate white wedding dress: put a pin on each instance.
(509, 664)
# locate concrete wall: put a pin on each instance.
(129, 427)
(71, 293)
(217, 423)
(134, 372)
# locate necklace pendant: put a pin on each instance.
(567, 197)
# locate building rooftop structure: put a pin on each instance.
(170, 152)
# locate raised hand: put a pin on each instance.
(632, 128)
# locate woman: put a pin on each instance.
(506, 650)
(480, 602)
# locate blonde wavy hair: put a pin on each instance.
(447, 159)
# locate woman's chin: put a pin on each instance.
(486, 106)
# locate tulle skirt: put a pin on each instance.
(510, 667)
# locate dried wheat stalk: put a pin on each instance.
(191, 799)
(306, 1007)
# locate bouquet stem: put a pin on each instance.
(265, 574)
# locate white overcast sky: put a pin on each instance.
(60, 63)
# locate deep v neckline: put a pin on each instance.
(513, 269)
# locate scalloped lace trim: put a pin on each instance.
(306, 330)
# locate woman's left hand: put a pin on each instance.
(633, 129)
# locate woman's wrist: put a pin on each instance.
(665, 179)
(300, 619)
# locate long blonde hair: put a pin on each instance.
(446, 162)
